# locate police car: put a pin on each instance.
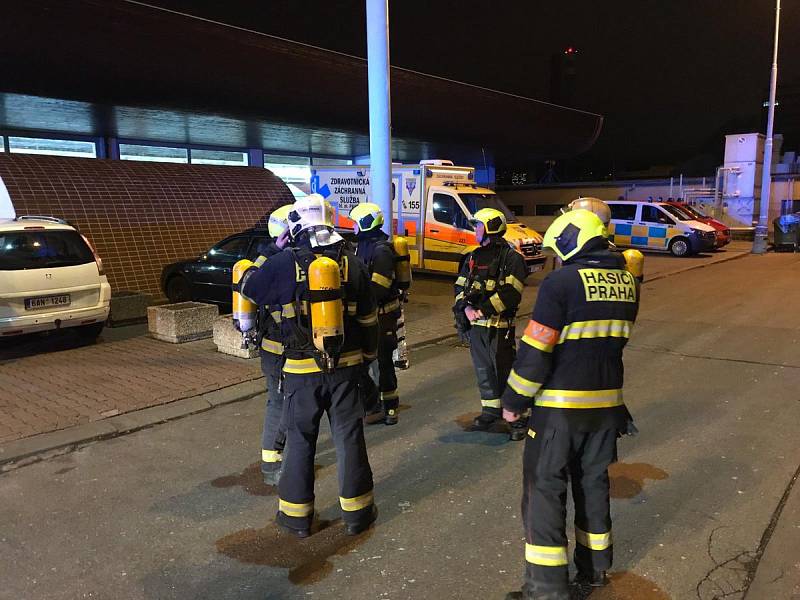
(658, 226)
(50, 278)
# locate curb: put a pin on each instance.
(724, 259)
(29, 450)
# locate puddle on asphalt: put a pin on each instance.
(627, 586)
(465, 422)
(306, 559)
(251, 480)
(628, 479)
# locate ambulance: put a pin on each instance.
(432, 204)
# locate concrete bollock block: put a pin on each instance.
(128, 307)
(229, 340)
(181, 322)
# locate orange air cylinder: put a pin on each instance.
(244, 311)
(634, 263)
(402, 265)
(327, 311)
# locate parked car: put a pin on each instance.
(208, 277)
(723, 231)
(658, 226)
(50, 278)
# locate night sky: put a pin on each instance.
(669, 76)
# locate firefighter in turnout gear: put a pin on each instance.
(487, 294)
(569, 371)
(273, 435)
(329, 330)
(377, 252)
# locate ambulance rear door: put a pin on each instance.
(408, 190)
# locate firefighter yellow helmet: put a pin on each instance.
(570, 232)
(279, 221)
(368, 216)
(494, 221)
(594, 205)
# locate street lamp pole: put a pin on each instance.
(760, 238)
(380, 113)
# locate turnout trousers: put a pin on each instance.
(382, 370)
(551, 458)
(492, 350)
(307, 397)
(273, 434)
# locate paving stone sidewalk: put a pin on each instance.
(50, 391)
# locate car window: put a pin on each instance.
(652, 214)
(257, 246)
(678, 213)
(44, 249)
(475, 202)
(229, 250)
(623, 212)
(444, 208)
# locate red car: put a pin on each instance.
(723, 231)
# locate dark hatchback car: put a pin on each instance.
(208, 278)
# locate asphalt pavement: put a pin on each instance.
(178, 510)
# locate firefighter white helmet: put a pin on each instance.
(594, 205)
(314, 215)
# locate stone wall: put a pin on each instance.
(142, 215)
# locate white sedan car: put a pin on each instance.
(50, 278)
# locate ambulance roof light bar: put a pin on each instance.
(460, 184)
(436, 162)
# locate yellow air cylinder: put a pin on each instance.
(244, 311)
(402, 265)
(634, 263)
(325, 298)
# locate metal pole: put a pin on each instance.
(380, 126)
(762, 230)
(671, 185)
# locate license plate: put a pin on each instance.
(46, 301)
(535, 268)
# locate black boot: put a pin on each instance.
(527, 594)
(281, 521)
(356, 528)
(391, 417)
(517, 432)
(483, 422)
(272, 477)
(594, 579)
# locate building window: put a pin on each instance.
(2, 144)
(153, 153)
(292, 169)
(319, 161)
(28, 145)
(219, 157)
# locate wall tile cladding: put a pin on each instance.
(141, 216)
